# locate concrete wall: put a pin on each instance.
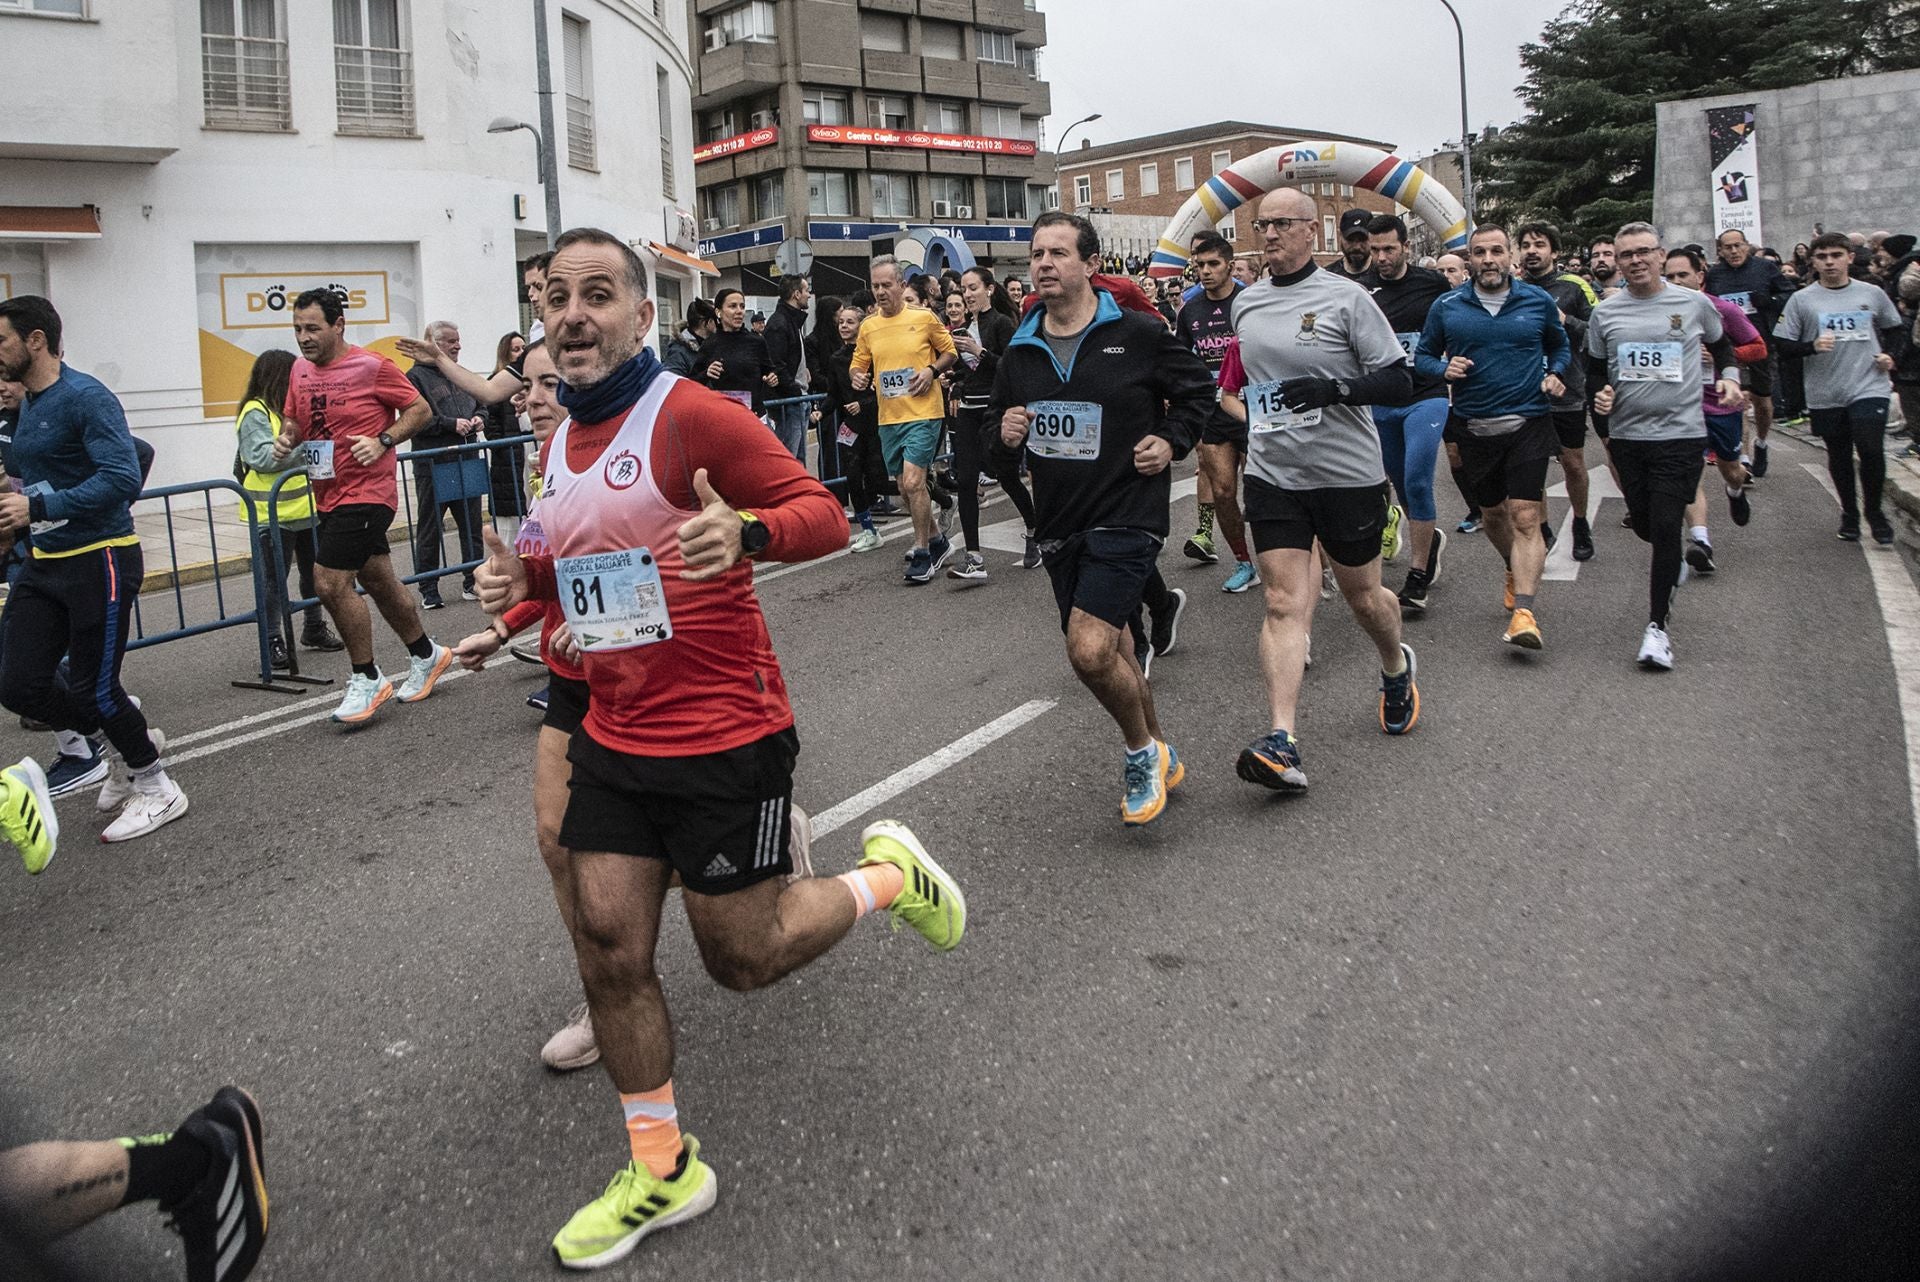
(1835, 152)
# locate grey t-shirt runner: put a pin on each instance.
(1652, 348)
(1324, 326)
(1852, 313)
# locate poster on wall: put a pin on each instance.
(1736, 171)
(245, 295)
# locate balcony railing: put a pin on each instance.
(245, 81)
(580, 148)
(373, 90)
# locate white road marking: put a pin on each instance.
(927, 767)
(1900, 611)
(1561, 567)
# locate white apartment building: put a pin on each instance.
(174, 172)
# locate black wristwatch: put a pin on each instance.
(386, 440)
(754, 535)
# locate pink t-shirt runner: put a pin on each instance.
(355, 395)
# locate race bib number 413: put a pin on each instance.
(1847, 327)
(1650, 363)
(613, 600)
(1064, 429)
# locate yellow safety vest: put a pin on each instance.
(295, 506)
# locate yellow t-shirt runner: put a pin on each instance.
(893, 349)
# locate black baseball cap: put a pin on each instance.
(1354, 223)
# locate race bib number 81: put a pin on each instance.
(1064, 429)
(613, 600)
(1650, 363)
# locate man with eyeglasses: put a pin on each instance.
(1646, 344)
(1314, 353)
(1754, 284)
(1491, 340)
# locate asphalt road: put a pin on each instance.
(1599, 974)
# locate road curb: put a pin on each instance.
(1903, 496)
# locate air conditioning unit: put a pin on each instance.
(943, 209)
(963, 211)
(760, 120)
(712, 225)
(716, 39)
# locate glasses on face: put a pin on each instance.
(1277, 224)
(1629, 255)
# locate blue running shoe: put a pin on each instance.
(538, 699)
(1469, 524)
(1273, 761)
(1400, 697)
(938, 551)
(1146, 779)
(1176, 769)
(1243, 577)
(919, 566)
(69, 774)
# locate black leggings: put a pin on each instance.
(78, 607)
(970, 459)
(296, 550)
(1859, 428)
(1659, 479)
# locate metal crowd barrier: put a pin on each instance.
(222, 619)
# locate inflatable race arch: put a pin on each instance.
(1297, 164)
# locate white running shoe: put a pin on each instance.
(865, 541)
(364, 697)
(119, 785)
(574, 1046)
(422, 673)
(1656, 649)
(156, 800)
(800, 843)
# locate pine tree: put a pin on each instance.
(1583, 153)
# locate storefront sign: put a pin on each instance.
(853, 136)
(264, 300)
(733, 146)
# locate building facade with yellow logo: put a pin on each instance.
(174, 172)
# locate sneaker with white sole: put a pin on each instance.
(973, 566)
(26, 814)
(423, 673)
(363, 698)
(1656, 649)
(574, 1046)
(68, 773)
(865, 541)
(156, 801)
(800, 843)
(119, 783)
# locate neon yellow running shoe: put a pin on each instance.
(931, 901)
(637, 1202)
(1393, 538)
(26, 813)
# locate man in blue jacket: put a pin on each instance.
(1490, 339)
(1102, 401)
(75, 594)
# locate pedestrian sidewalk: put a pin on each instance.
(1903, 493)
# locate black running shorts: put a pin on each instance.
(1509, 466)
(348, 536)
(721, 818)
(1101, 572)
(566, 703)
(1348, 520)
(1571, 427)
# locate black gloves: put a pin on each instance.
(1309, 393)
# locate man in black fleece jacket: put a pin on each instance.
(1102, 401)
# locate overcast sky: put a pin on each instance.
(1384, 69)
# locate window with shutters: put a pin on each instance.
(769, 196)
(1150, 179)
(940, 40)
(1183, 173)
(576, 53)
(946, 117)
(883, 32)
(827, 107)
(830, 193)
(372, 68)
(886, 111)
(243, 65)
(996, 46)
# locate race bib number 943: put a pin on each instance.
(613, 600)
(1650, 363)
(894, 382)
(1064, 429)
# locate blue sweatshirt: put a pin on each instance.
(78, 465)
(1510, 352)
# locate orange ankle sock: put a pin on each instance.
(653, 1129)
(874, 886)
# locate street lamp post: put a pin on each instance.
(542, 157)
(1084, 120)
(1466, 144)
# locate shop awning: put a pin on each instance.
(680, 256)
(49, 222)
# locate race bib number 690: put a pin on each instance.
(1064, 429)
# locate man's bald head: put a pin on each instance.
(1287, 202)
